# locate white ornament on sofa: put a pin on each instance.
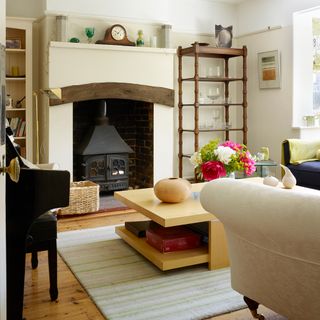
(270, 181)
(288, 180)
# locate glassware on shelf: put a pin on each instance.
(227, 125)
(213, 93)
(89, 31)
(216, 114)
(214, 72)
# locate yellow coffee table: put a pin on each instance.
(176, 214)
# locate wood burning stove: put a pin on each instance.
(110, 171)
(103, 156)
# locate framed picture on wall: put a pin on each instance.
(269, 69)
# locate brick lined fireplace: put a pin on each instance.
(138, 84)
(134, 122)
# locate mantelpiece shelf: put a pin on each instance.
(196, 51)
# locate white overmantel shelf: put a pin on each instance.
(93, 46)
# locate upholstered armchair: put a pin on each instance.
(273, 244)
(302, 157)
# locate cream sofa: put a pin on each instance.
(273, 241)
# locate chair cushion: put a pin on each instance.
(44, 228)
(307, 174)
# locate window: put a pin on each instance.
(306, 73)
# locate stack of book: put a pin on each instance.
(172, 238)
(138, 228)
(18, 126)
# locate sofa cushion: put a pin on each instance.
(307, 174)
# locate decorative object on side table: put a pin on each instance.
(288, 180)
(223, 36)
(89, 31)
(216, 160)
(116, 35)
(172, 190)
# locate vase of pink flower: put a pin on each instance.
(216, 160)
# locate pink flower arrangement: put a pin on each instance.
(216, 160)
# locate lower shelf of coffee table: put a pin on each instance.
(164, 261)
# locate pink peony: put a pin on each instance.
(213, 170)
(232, 145)
(248, 163)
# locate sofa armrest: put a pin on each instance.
(280, 220)
(285, 153)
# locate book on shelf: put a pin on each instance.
(15, 124)
(138, 228)
(172, 238)
(202, 228)
(22, 129)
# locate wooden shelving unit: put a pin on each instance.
(197, 52)
(19, 82)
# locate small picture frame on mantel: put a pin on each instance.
(269, 70)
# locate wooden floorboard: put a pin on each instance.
(73, 302)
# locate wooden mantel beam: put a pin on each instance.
(115, 90)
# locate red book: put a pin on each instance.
(172, 238)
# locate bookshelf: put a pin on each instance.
(19, 108)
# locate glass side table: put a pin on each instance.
(265, 168)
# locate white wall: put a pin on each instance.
(198, 16)
(256, 15)
(270, 110)
(30, 8)
(2, 197)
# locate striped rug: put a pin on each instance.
(124, 285)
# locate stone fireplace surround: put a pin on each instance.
(130, 73)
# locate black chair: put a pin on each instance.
(42, 236)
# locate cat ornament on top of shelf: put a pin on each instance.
(223, 36)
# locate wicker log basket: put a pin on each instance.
(84, 198)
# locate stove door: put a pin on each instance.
(117, 166)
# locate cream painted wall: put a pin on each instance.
(254, 15)
(184, 15)
(270, 110)
(30, 8)
(2, 196)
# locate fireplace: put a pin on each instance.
(139, 80)
(113, 143)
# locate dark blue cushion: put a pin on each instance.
(307, 174)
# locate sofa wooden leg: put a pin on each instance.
(253, 307)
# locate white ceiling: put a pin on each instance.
(230, 1)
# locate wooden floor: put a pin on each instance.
(73, 302)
